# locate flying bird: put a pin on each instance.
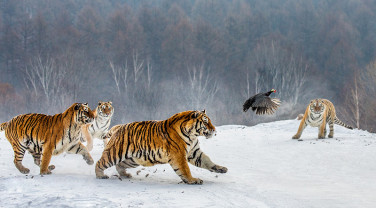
(262, 103)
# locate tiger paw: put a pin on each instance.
(193, 181)
(296, 137)
(46, 172)
(125, 175)
(102, 177)
(25, 170)
(51, 167)
(219, 169)
(89, 160)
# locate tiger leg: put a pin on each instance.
(302, 126)
(109, 158)
(79, 148)
(180, 165)
(102, 164)
(331, 129)
(201, 160)
(105, 139)
(19, 152)
(87, 136)
(47, 154)
(123, 165)
(322, 129)
(37, 160)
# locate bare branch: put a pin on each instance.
(137, 66)
(115, 76)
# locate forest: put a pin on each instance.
(153, 59)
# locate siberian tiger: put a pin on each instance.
(45, 135)
(99, 128)
(318, 113)
(173, 141)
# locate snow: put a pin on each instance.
(266, 169)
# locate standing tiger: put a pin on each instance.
(46, 135)
(173, 141)
(99, 128)
(318, 113)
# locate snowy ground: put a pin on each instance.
(266, 169)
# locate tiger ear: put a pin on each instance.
(85, 104)
(100, 103)
(77, 106)
(110, 102)
(204, 111)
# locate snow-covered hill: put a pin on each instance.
(266, 169)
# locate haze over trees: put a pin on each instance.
(156, 58)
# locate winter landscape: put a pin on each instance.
(266, 169)
(153, 59)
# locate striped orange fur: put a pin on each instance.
(172, 141)
(320, 112)
(46, 135)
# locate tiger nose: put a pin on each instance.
(213, 132)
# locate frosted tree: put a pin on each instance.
(120, 75)
(278, 68)
(201, 86)
(137, 66)
(46, 80)
(354, 107)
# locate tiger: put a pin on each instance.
(318, 113)
(147, 143)
(99, 128)
(46, 135)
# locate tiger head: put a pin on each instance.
(201, 124)
(105, 109)
(83, 113)
(317, 106)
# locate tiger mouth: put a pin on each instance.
(208, 134)
(105, 114)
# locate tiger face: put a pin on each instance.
(105, 109)
(84, 114)
(317, 106)
(203, 125)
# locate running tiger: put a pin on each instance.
(45, 135)
(99, 128)
(172, 141)
(318, 113)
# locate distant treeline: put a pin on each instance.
(155, 58)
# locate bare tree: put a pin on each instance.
(355, 94)
(46, 79)
(280, 69)
(120, 77)
(137, 66)
(149, 70)
(356, 104)
(116, 74)
(202, 86)
(352, 107)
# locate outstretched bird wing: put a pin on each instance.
(266, 105)
(262, 104)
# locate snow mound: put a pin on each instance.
(266, 169)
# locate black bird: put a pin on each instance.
(262, 103)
